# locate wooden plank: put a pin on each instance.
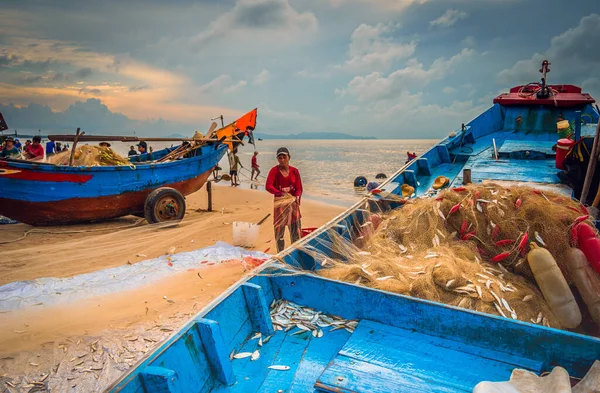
(160, 380)
(511, 145)
(346, 375)
(216, 350)
(258, 308)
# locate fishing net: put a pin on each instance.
(286, 210)
(466, 247)
(90, 156)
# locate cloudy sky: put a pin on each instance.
(386, 68)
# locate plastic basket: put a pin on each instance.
(245, 234)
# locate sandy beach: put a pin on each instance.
(36, 342)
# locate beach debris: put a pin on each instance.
(141, 255)
(171, 251)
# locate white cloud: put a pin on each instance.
(350, 109)
(221, 84)
(392, 5)
(468, 42)
(448, 90)
(258, 16)
(371, 48)
(377, 86)
(315, 75)
(573, 56)
(449, 19)
(262, 78)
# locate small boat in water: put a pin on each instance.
(288, 329)
(39, 193)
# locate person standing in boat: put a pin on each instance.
(285, 184)
(35, 151)
(255, 168)
(50, 148)
(132, 151)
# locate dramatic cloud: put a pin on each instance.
(377, 86)
(262, 78)
(372, 49)
(574, 56)
(449, 19)
(264, 16)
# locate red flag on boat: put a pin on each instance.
(4, 127)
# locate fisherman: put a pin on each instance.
(104, 144)
(285, 184)
(35, 151)
(132, 151)
(254, 167)
(411, 156)
(143, 149)
(59, 147)
(17, 144)
(10, 150)
(234, 162)
(50, 148)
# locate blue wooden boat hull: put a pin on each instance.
(46, 194)
(401, 344)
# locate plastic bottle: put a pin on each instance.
(554, 287)
(586, 280)
(589, 244)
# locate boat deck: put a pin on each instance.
(386, 342)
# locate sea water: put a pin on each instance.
(327, 167)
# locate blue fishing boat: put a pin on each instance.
(287, 329)
(46, 194)
(151, 185)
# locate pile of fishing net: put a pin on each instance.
(466, 248)
(90, 156)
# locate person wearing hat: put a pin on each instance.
(10, 150)
(104, 144)
(17, 144)
(285, 184)
(143, 149)
(35, 151)
(132, 151)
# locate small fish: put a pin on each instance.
(539, 238)
(402, 248)
(257, 335)
(255, 355)
(539, 317)
(450, 282)
(384, 278)
(499, 309)
(242, 355)
(279, 367)
(436, 241)
(479, 291)
(364, 253)
(260, 342)
(527, 298)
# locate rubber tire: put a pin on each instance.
(155, 196)
(360, 181)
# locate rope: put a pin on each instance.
(36, 230)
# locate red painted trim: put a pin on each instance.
(26, 174)
(70, 211)
(566, 96)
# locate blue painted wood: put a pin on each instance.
(410, 178)
(511, 146)
(574, 352)
(216, 350)
(424, 168)
(160, 380)
(258, 308)
(443, 152)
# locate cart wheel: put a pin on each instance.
(164, 204)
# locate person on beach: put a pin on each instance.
(35, 151)
(254, 167)
(285, 184)
(10, 150)
(234, 162)
(132, 151)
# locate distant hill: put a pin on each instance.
(312, 135)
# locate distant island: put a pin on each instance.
(313, 135)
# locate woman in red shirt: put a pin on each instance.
(285, 184)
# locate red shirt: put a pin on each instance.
(34, 151)
(254, 164)
(276, 182)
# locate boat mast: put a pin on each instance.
(544, 91)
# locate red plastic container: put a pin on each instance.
(562, 148)
(308, 231)
(589, 244)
